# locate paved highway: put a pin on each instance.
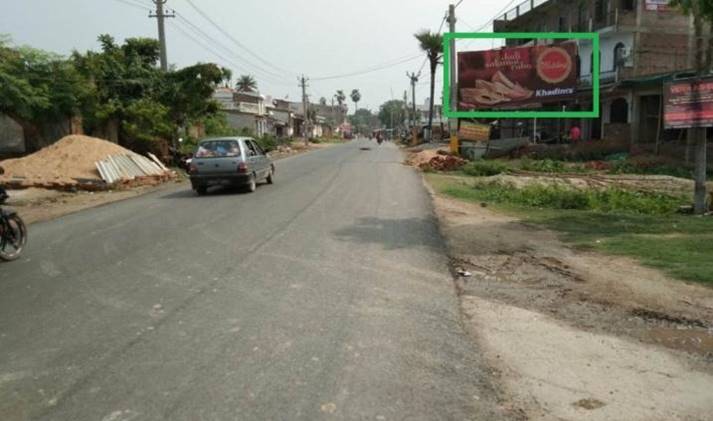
(324, 296)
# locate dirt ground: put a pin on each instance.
(579, 335)
(36, 205)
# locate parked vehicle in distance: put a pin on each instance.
(229, 161)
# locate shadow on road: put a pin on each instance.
(394, 234)
(215, 191)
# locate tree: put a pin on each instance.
(392, 113)
(322, 101)
(701, 10)
(246, 83)
(341, 97)
(355, 96)
(37, 89)
(364, 121)
(432, 45)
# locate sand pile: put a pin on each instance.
(66, 163)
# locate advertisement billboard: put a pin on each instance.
(516, 76)
(688, 103)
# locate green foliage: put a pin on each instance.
(217, 125)
(550, 166)
(246, 83)
(119, 83)
(364, 121)
(680, 245)
(341, 97)
(584, 151)
(556, 197)
(267, 142)
(483, 168)
(392, 113)
(355, 96)
(36, 86)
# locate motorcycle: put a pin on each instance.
(13, 232)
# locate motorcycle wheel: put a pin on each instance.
(13, 243)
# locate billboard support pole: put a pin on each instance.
(453, 122)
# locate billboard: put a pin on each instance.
(515, 76)
(688, 103)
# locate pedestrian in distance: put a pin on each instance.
(575, 133)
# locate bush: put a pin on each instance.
(596, 150)
(267, 142)
(485, 168)
(557, 197)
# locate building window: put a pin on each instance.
(562, 24)
(628, 5)
(619, 111)
(618, 55)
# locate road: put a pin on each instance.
(324, 296)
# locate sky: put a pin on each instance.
(278, 39)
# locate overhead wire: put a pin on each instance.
(208, 45)
(372, 69)
(239, 44)
(135, 4)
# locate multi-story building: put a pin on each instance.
(643, 43)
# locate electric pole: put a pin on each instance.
(453, 123)
(305, 110)
(413, 77)
(160, 15)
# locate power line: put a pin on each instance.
(372, 69)
(134, 4)
(209, 47)
(236, 42)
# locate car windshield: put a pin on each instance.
(218, 149)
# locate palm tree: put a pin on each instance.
(246, 83)
(356, 96)
(432, 45)
(341, 97)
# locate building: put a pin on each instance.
(643, 43)
(244, 110)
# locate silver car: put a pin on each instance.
(230, 161)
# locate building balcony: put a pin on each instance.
(605, 77)
(250, 108)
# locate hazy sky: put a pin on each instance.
(319, 38)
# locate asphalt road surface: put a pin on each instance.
(324, 296)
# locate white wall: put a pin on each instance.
(607, 43)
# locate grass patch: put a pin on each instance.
(556, 197)
(680, 245)
(551, 166)
(483, 168)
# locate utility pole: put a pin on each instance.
(305, 110)
(453, 123)
(413, 77)
(160, 15)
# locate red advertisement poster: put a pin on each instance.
(510, 77)
(688, 104)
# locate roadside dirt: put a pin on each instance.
(578, 335)
(37, 205)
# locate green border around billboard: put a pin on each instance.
(448, 36)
